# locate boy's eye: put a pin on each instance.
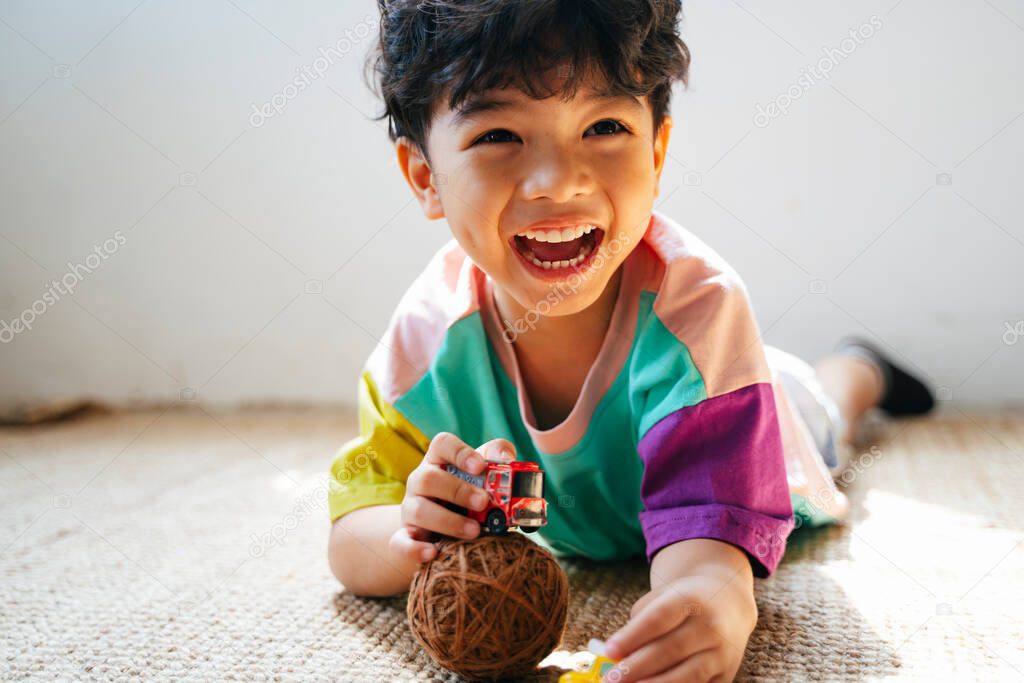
(497, 135)
(607, 127)
(603, 127)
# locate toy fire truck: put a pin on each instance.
(516, 490)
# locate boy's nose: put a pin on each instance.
(556, 175)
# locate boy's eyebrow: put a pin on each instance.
(471, 107)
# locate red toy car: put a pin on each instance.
(517, 495)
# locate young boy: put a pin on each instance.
(569, 324)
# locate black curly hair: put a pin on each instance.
(462, 48)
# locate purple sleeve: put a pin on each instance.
(716, 470)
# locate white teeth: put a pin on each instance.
(548, 265)
(567, 234)
(555, 235)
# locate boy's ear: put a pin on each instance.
(417, 173)
(661, 138)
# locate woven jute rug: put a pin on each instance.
(175, 544)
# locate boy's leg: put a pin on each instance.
(859, 376)
(854, 383)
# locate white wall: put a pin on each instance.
(132, 122)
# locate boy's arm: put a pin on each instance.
(366, 487)
(716, 502)
(707, 557)
(360, 557)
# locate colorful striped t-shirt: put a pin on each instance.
(681, 430)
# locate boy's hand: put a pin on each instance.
(690, 629)
(422, 513)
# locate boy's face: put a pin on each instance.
(507, 162)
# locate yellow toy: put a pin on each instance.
(600, 667)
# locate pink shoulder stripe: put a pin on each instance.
(445, 292)
(705, 304)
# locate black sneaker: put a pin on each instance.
(903, 394)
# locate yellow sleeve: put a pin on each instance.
(372, 468)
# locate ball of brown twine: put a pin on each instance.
(489, 608)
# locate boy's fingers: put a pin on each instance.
(436, 483)
(662, 614)
(445, 447)
(700, 667)
(403, 544)
(665, 652)
(498, 449)
(425, 513)
(641, 603)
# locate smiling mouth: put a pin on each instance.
(558, 248)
